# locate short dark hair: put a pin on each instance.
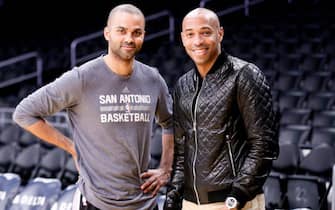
(128, 8)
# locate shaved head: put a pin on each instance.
(201, 36)
(124, 32)
(212, 18)
(127, 8)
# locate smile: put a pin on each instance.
(200, 51)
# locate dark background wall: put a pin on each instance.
(33, 24)
(53, 19)
(44, 19)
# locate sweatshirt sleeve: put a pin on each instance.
(255, 105)
(60, 94)
(164, 107)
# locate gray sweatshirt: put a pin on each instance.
(111, 118)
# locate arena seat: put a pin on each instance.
(64, 202)
(9, 187)
(38, 194)
(51, 164)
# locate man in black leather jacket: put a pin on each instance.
(225, 126)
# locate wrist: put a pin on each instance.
(166, 170)
(232, 203)
(240, 195)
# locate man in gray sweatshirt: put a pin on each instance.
(112, 102)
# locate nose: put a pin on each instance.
(198, 40)
(129, 38)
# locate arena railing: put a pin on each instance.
(19, 78)
(244, 6)
(74, 59)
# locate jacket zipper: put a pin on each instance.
(194, 116)
(231, 158)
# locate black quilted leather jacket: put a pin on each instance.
(228, 129)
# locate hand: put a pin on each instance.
(155, 179)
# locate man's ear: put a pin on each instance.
(221, 33)
(106, 33)
(182, 37)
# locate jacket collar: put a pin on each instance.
(221, 60)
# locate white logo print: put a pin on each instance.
(125, 90)
(127, 108)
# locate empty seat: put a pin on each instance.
(9, 187)
(287, 80)
(27, 139)
(323, 135)
(266, 30)
(320, 101)
(311, 31)
(38, 194)
(324, 118)
(305, 192)
(287, 45)
(64, 202)
(274, 192)
(313, 63)
(289, 62)
(7, 156)
(309, 47)
(330, 86)
(288, 31)
(10, 134)
(295, 116)
(265, 61)
(51, 164)
(294, 134)
(318, 161)
(26, 161)
(288, 159)
(70, 174)
(291, 99)
(314, 82)
(244, 46)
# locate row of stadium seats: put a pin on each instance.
(38, 194)
(295, 51)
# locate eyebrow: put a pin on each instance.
(202, 28)
(123, 27)
(118, 27)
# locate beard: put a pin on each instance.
(124, 54)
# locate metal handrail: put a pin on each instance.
(170, 31)
(246, 5)
(20, 58)
(73, 48)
